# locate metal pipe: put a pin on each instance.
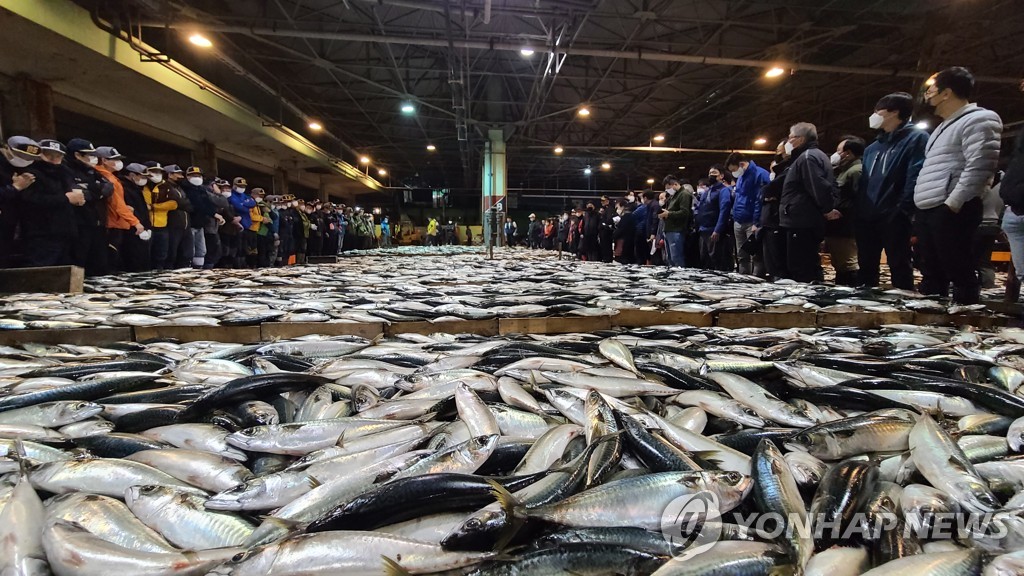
(637, 54)
(654, 149)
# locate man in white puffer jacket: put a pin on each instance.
(961, 155)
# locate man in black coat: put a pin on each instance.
(90, 249)
(18, 154)
(606, 230)
(47, 217)
(624, 235)
(135, 251)
(808, 194)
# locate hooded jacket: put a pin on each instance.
(242, 203)
(46, 212)
(891, 167)
(809, 191)
(959, 158)
(119, 215)
(746, 206)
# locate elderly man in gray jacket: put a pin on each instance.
(960, 156)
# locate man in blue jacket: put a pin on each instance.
(242, 203)
(713, 212)
(746, 209)
(886, 199)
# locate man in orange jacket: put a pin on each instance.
(120, 217)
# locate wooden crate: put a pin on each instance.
(78, 336)
(481, 327)
(641, 318)
(864, 319)
(237, 334)
(283, 330)
(767, 319)
(978, 320)
(585, 324)
(58, 279)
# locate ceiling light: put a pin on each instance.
(584, 111)
(314, 125)
(526, 52)
(559, 150)
(200, 40)
(650, 180)
(659, 138)
(408, 108)
(774, 72)
(364, 159)
(606, 166)
(382, 172)
(682, 167)
(587, 170)
(922, 125)
(761, 141)
(431, 147)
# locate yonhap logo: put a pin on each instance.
(692, 524)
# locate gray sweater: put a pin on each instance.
(960, 156)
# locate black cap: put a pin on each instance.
(153, 165)
(80, 145)
(53, 146)
(172, 169)
(109, 153)
(193, 171)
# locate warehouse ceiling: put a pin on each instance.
(692, 71)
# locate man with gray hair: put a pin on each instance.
(808, 197)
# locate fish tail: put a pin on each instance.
(510, 505)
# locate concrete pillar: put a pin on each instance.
(205, 156)
(493, 186)
(322, 190)
(28, 109)
(280, 181)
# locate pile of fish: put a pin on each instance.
(459, 285)
(517, 455)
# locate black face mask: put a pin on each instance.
(712, 179)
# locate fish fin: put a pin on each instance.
(313, 482)
(429, 416)
(341, 440)
(709, 456)
(785, 570)
(506, 499)
(392, 568)
(19, 455)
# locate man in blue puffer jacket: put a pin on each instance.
(746, 209)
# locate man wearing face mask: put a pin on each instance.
(180, 250)
(134, 251)
(746, 209)
(625, 233)
(203, 211)
(885, 200)
(675, 216)
(773, 237)
(960, 157)
(631, 200)
(846, 162)
(17, 154)
(90, 249)
(230, 231)
(161, 200)
(243, 204)
(607, 230)
(121, 219)
(808, 194)
(713, 213)
(47, 218)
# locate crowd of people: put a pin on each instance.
(931, 199)
(78, 204)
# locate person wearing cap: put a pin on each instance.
(286, 230)
(90, 248)
(203, 211)
(330, 231)
(315, 244)
(243, 204)
(262, 222)
(161, 200)
(18, 154)
(223, 214)
(605, 236)
(180, 247)
(885, 199)
(120, 217)
(134, 251)
(342, 228)
(533, 232)
(47, 216)
(229, 232)
(432, 227)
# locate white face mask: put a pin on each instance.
(19, 162)
(771, 176)
(156, 178)
(631, 198)
(93, 160)
(701, 190)
(789, 148)
(875, 120)
(240, 190)
(196, 180)
(670, 192)
(226, 193)
(118, 165)
(836, 159)
(139, 181)
(738, 172)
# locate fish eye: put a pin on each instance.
(148, 490)
(240, 556)
(473, 524)
(248, 432)
(733, 477)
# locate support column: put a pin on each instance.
(494, 187)
(322, 194)
(280, 182)
(28, 109)
(205, 156)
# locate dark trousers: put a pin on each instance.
(161, 242)
(773, 242)
(47, 251)
(265, 245)
(115, 245)
(607, 246)
(894, 238)
(90, 250)
(248, 251)
(315, 245)
(716, 255)
(641, 249)
(946, 242)
(802, 256)
(180, 248)
(214, 250)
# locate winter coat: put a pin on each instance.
(960, 156)
(45, 210)
(135, 200)
(746, 206)
(772, 193)
(160, 200)
(180, 217)
(242, 203)
(680, 211)
(96, 189)
(713, 210)
(119, 215)
(202, 208)
(848, 185)
(891, 167)
(809, 191)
